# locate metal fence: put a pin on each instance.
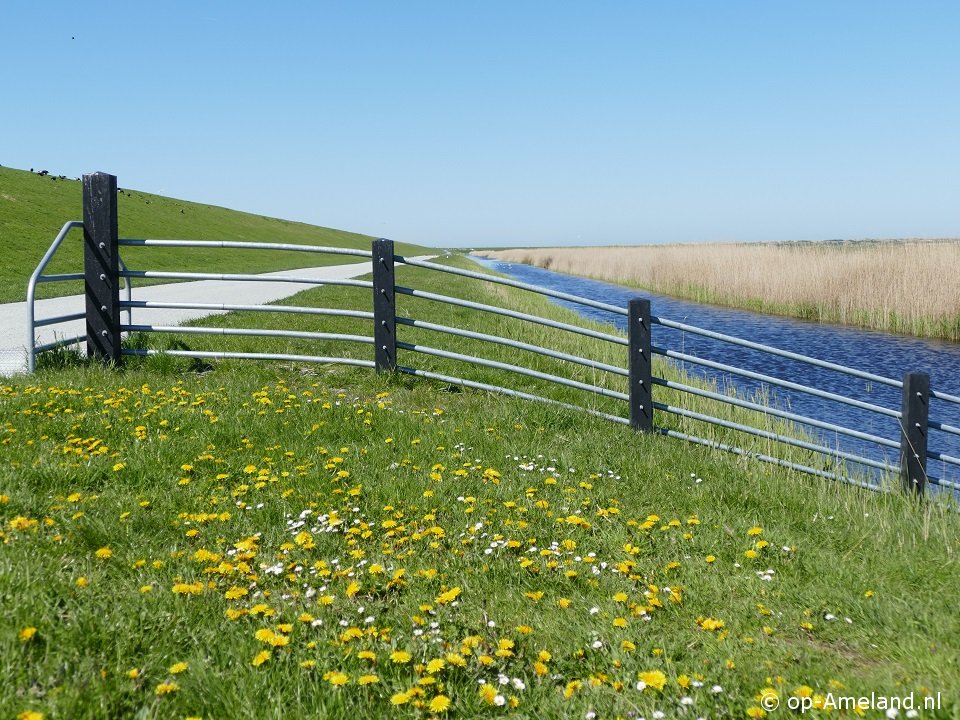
(640, 405)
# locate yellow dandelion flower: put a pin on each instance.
(488, 692)
(456, 659)
(30, 715)
(27, 633)
(22, 523)
(165, 688)
(261, 657)
(440, 703)
(104, 553)
(436, 665)
(448, 597)
(178, 668)
(400, 698)
(338, 679)
(400, 656)
(367, 679)
(653, 679)
(755, 530)
(235, 593)
(504, 647)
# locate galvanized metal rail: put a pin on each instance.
(749, 422)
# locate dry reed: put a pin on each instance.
(894, 286)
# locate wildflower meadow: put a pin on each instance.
(281, 541)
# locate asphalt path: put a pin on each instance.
(14, 336)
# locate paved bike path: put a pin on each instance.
(13, 316)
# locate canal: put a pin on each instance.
(875, 352)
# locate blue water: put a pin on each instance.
(875, 352)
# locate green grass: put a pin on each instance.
(561, 554)
(483, 292)
(34, 208)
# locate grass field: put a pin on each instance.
(33, 208)
(228, 540)
(899, 287)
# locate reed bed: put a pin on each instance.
(895, 286)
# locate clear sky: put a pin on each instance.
(469, 123)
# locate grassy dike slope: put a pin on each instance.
(34, 208)
(277, 540)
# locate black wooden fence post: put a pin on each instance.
(384, 306)
(913, 432)
(640, 365)
(100, 266)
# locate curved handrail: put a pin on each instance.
(32, 289)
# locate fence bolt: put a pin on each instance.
(101, 261)
(913, 433)
(384, 307)
(640, 365)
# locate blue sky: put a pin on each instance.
(505, 123)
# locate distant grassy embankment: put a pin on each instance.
(894, 286)
(33, 208)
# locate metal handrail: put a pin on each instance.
(777, 351)
(619, 340)
(212, 355)
(35, 277)
(243, 277)
(767, 435)
(247, 332)
(509, 392)
(496, 339)
(436, 352)
(513, 283)
(770, 459)
(802, 440)
(776, 412)
(229, 307)
(778, 382)
(244, 245)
